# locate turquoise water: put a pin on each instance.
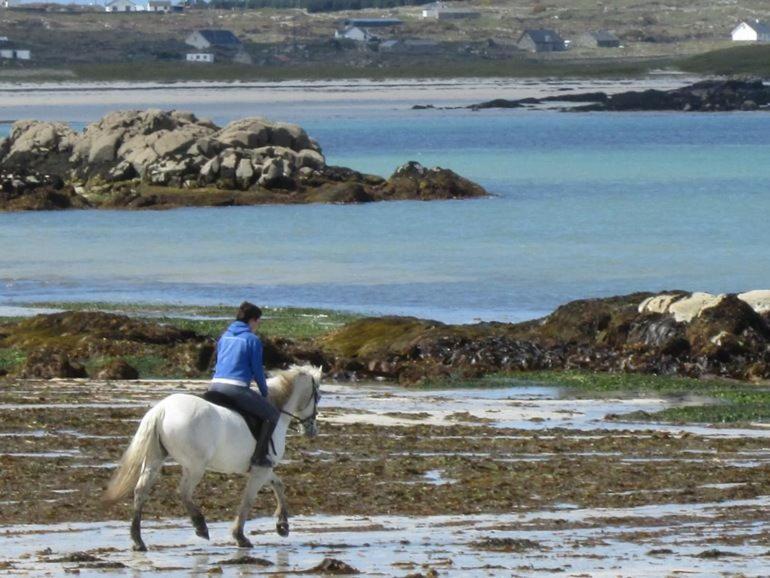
(585, 205)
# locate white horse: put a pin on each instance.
(201, 436)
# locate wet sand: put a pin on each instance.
(474, 482)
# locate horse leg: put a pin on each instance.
(190, 479)
(281, 512)
(141, 493)
(257, 479)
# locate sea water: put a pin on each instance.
(583, 205)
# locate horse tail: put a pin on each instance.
(144, 448)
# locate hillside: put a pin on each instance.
(295, 43)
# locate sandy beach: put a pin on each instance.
(82, 102)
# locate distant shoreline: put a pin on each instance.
(73, 99)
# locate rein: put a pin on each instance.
(316, 397)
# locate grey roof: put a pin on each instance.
(220, 37)
(604, 36)
(372, 22)
(543, 36)
(759, 26)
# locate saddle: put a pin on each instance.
(220, 399)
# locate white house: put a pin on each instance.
(751, 31)
(15, 54)
(354, 33)
(122, 6)
(159, 6)
(200, 57)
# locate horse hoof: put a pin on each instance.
(202, 532)
(244, 543)
(140, 548)
(282, 528)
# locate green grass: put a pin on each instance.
(449, 68)
(747, 60)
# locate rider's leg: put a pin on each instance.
(252, 402)
(260, 457)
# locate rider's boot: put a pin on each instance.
(260, 457)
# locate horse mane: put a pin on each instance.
(283, 386)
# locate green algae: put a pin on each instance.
(11, 358)
(211, 320)
(725, 401)
(378, 337)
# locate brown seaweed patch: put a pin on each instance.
(508, 544)
(714, 553)
(406, 415)
(331, 566)
(77, 557)
(466, 416)
(246, 560)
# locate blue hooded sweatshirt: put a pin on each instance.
(239, 356)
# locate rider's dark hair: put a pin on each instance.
(248, 311)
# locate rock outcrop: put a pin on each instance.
(704, 96)
(153, 158)
(671, 333)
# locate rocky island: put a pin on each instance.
(166, 159)
(671, 333)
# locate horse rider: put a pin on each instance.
(239, 361)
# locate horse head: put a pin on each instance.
(303, 396)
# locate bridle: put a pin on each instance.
(315, 399)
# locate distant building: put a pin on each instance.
(121, 6)
(222, 44)
(440, 11)
(15, 54)
(159, 6)
(600, 39)
(354, 33)
(10, 51)
(751, 31)
(410, 46)
(203, 39)
(358, 28)
(200, 57)
(541, 40)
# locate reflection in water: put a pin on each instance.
(283, 559)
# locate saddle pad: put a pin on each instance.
(220, 399)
